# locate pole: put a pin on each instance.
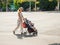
(58, 4)
(30, 6)
(6, 5)
(35, 5)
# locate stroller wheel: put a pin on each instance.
(35, 33)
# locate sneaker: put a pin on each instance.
(21, 34)
(13, 32)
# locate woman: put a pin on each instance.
(20, 20)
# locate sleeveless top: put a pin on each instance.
(21, 17)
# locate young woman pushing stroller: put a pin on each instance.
(28, 24)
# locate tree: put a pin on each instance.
(48, 5)
(0, 5)
(3, 5)
(25, 5)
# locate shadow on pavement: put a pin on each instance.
(20, 36)
(55, 44)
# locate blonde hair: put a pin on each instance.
(20, 8)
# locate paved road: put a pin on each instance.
(47, 24)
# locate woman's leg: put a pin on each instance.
(21, 28)
(16, 28)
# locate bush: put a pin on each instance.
(47, 5)
(32, 5)
(0, 4)
(59, 6)
(3, 7)
(16, 6)
(25, 5)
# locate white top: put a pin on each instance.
(21, 17)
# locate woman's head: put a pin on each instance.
(20, 9)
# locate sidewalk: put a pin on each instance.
(47, 24)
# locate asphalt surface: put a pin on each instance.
(47, 24)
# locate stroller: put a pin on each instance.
(30, 27)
